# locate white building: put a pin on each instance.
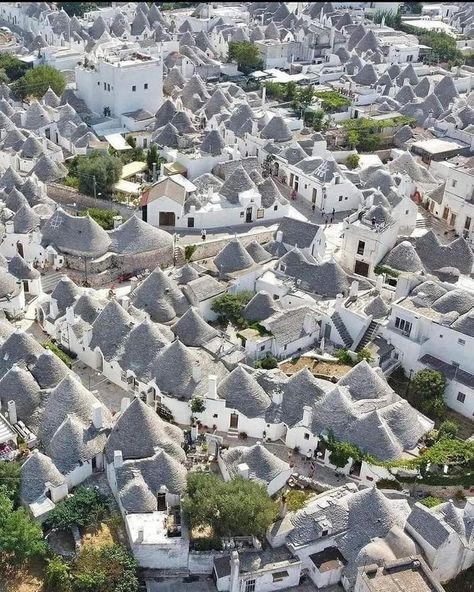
(430, 326)
(120, 82)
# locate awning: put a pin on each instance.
(117, 141)
(174, 168)
(132, 168)
(127, 187)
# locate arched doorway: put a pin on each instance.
(19, 249)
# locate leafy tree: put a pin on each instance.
(428, 387)
(20, 537)
(332, 101)
(104, 218)
(235, 508)
(246, 55)
(269, 362)
(10, 479)
(352, 161)
(12, 67)
(105, 168)
(78, 8)
(84, 508)
(153, 156)
(318, 122)
(56, 577)
(229, 307)
(197, 405)
(303, 98)
(341, 452)
(36, 82)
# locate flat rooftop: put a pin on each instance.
(410, 574)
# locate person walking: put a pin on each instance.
(313, 208)
(203, 234)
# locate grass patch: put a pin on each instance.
(58, 352)
(297, 498)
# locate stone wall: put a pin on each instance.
(210, 248)
(67, 196)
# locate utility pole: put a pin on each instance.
(154, 172)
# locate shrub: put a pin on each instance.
(428, 387)
(448, 428)
(388, 484)
(189, 251)
(431, 501)
(84, 508)
(104, 218)
(297, 498)
(352, 161)
(10, 480)
(56, 577)
(229, 307)
(71, 182)
(460, 496)
(58, 352)
(343, 357)
(269, 362)
(243, 435)
(363, 354)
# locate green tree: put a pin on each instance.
(78, 8)
(352, 161)
(153, 156)
(319, 118)
(428, 387)
(246, 54)
(21, 538)
(36, 82)
(106, 170)
(197, 405)
(229, 306)
(341, 452)
(10, 479)
(56, 577)
(235, 508)
(12, 66)
(303, 98)
(84, 508)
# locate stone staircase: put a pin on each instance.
(232, 433)
(341, 329)
(50, 280)
(369, 334)
(178, 255)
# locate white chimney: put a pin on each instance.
(279, 236)
(469, 507)
(98, 416)
(125, 302)
(234, 584)
(140, 534)
(277, 397)
(70, 315)
(150, 398)
(118, 459)
(243, 470)
(124, 404)
(117, 221)
(212, 386)
(309, 323)
(209, 192)
(379, 282)
(9, 227)
(354, 288)
(264, 96)
(133, 283)
(254, 128)
(338, 303)
(12, 417)
(197, 373)
(307, 416)
(315, 149)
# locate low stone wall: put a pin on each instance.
(202, 562)
(68, 196)
(210, 248)
(445, 492)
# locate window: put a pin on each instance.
(406, 212)
(145, 86)
(275, 208)
(108, 87)
(454, 183)
(284, 347)
(461, 397)
(260, 213)
(467, 223)
(346, 198)
(278, 576)
(134, 88)
(325, 533)
(250, 586)
(306, 436)
(105, 86)
(262, 347)
(404, 326)
(241, 214)
(145, 143)
(360, 248)
(98, 83)
(462, 341)
(215, 416)
(409, 58)
(340, 198)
